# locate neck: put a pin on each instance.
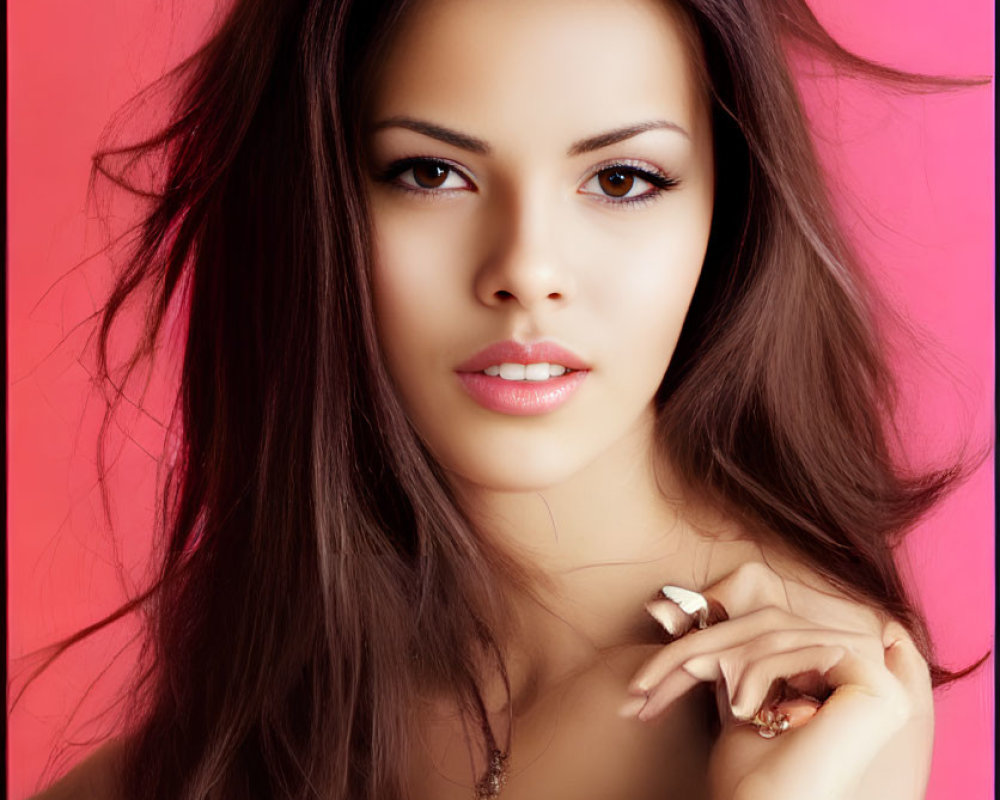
(600, 544)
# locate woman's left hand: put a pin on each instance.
(872, 735)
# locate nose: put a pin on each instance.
(522, 266)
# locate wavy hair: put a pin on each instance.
(314, 567)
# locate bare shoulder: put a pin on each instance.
(95, 778)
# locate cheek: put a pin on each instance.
(408, 269)
(416, 282)
(647, 283)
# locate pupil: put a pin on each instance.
(429, 176)
(616, 182)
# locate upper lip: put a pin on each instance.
(511, 352)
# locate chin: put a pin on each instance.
(514, 472)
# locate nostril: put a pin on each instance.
(504, 295)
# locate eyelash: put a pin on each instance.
(658, 181)
(391, 173)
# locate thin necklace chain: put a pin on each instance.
(494, 778)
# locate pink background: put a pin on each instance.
(915, 182)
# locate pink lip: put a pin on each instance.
(511, 352)
(522, 398)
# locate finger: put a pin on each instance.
(671, 617)
(798, 711)
(811, 684)
(708, 640)
(907, 664)
(866, 684)
(754, 584)
(870, 675)
(753, 684)
(734, 660)
(724, 636)
(703, 611)
(750, 586)
(732, 664)
(893, 632)
(904, 661)
(667, 691)
(727, 665)
(868, 706)
(632, 707)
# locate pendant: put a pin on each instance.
(492, 782)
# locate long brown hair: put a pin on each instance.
(314, 566)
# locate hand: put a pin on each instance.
(873, 686)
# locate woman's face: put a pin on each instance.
(541, 193)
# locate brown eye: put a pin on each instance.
(430, 175)
(625, 185)
(427, 176)
(615, 182)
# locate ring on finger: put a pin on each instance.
(770, 722)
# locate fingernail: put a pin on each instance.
(670, 616)
(799, 711)
(630, 708)
(725, 689)
(723, 702)
(646, 713)
(690, 602)
(657, 613)
(740, 711)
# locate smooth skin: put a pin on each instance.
(526, 119)
(493, 222)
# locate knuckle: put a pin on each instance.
(753, 572)
(757, 672)
(894, 631)
(759, 583)
(726, 663)
(731, 666)
(771, 616)
(775, 641)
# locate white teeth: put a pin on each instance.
(536, 372)
(512, 372)
(525, 372)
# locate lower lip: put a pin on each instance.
(521, 398)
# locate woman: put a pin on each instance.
(399, 557)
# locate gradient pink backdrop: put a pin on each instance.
(915, 183)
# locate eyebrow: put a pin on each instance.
(621, 134)
(466, 142)
(442, 134)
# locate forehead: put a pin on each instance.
(492, 67)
